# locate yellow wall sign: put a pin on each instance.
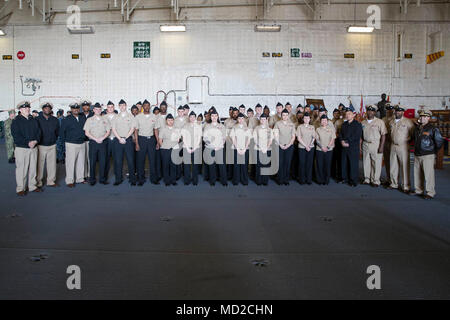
(105, 55)
(349, 55)
(7, 57)
(434, 56)
(75, 56)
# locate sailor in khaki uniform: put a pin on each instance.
(277, 116)
(401, 130)
(306, 137)
(284, 134)
(253, 122)
(229, 153)
(161, 124)
(191, 134)
(317, 122)
(109, 142)
(181, 119)
(242, 110)
(325, 137)
(337, 151)
(292, 114)
(86, 111)
(146, 125)
(179, 122)
(97, 129)
(374, 134)
(241, 135)
(123, 128)
(26, 134)
(186, 110)
(214, 136)
(262, 137)
(387, 145)
(169, 137)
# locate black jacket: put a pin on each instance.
(351, 133)
(49, 130)
(25, 130)
(427, 140)
(72, 129)
(382, 108)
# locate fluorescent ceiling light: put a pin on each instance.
(360, 29)
(175, 28)
(81, 30)
(2, 33)
(267, 28)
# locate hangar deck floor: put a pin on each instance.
(181, 242)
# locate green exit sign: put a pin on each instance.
(295, 53)
(141, 49)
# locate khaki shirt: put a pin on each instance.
(283, 132)
(162, 120)
(229, 124)
(262, 135)
(373, 131)
(97, 126)
(170, 137)
(316, 124)
(338, 125)
(110, 117)
(293, 118)
(242, 133)
(123, 123)
(214, 135)
(180, 122)
(387, 120)
(401, 131)
(307, 133)
(274, 119)
(191, 133)
(253, 122)
(324, 136)
(145, 123)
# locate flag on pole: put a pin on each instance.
(362, 109)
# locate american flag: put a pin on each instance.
(362, 109)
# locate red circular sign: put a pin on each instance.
(21, 55)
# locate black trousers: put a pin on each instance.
(323, 166)
(216, 167)
(109, 154)
(159, 173)
(97, 152)
(147, 147)
(295, 164)
(336, 162)
(179, 167)
(305, 165)
(119, 151)
(204, 166)
(168, 167)
(190, 168)
(284, 169)
(259, 178)
(240, 168)
(350, 164)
